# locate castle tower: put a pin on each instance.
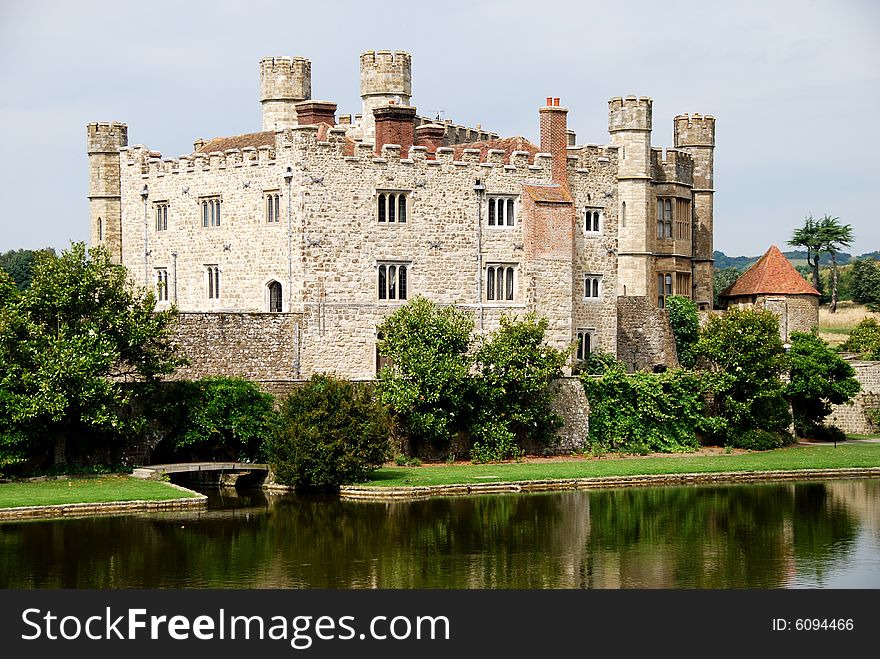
(629, 122)
(105, 211)
(284, 82)
(386, 77)
(696, 135)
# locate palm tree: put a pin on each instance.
(833, 237)
(809, 236)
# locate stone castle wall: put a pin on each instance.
(644, 338)
(853, 418)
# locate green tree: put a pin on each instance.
(515, 401)
(866, 283)
(685, 325)
(819, 378)
(810, 236)
(72, 342)
(722, 279)
(834, 236)
(745, 345)
(19, 264)
(225, 417)
(864, 339)
(427, 383)
(329, 433)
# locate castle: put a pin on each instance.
(285, 249)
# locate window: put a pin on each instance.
(273, 206)
(161, 212)
(592, 287)
(623, 214)
(391, 207)
(683, 219)
(592, 220)
(100, 229)
(501, 211)
(213, 272)
(393, 281)
(584, 344)
(161, 276)
(664, 218)
(210, 211)
(500, 283)
(274, 297)
(683, 284)
(664, 288)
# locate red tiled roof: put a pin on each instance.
(771, 274)
(548, 194)
(506, 144)
(256, 140)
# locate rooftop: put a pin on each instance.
(772, 274)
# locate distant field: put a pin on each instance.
(835, 327)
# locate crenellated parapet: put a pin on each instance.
(106, 137)
(630, 113)
(694, 130)
(673, 166)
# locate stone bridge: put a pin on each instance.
(157, 472)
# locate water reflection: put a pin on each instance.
(751, 536)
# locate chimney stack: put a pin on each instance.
(554, 138)
(430, 136)
(395, 124)
(310, 113)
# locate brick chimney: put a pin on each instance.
(395, 124)
(310, 113)
(554, 138)
(430, 136)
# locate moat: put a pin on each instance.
(769, 535)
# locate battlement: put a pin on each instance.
(586, 157)
(106, 136)
(630, 113)
(285, 79)
(673, 166)
(694, 130)
(387, 73)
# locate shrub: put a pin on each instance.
(864, 339)
(598, 363)
(685, 327)
(515, 402)
(819, 378)
(225, 417)
(644, 412)
(330, 432)
(828, 433)
(756, 439)
(427, 384)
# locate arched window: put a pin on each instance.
(274, 297)
(623, 214)
(501, 211)
(392, 281)
(401, 208)
(100, 229)
(500, 282)
(391, 207)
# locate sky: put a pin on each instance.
(794, 86)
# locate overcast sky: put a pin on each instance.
(793, 84)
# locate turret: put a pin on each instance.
(386, 77)
(284, 82)
(103, 141)
(696, 135)
(629, 122)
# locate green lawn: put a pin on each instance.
(796, 457)
(86, 490)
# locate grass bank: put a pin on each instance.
(796, 457)
(102, 489)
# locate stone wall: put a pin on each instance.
(257, 346)
(644, 336)
(853, 418)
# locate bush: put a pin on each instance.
(644, 412)
(515, 402)
(819, 378)
(685, 325)
(757, 439)
(828, 433)
(330, 432)
(864, 339)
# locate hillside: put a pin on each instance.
(797, 257)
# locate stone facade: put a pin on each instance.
(853, 418)
(285, 249)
